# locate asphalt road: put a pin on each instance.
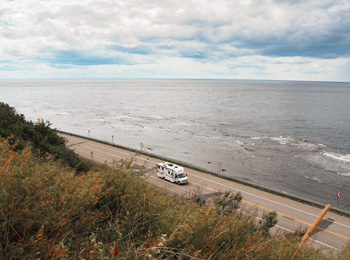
(333, 231)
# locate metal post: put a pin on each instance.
(92, 155)
(338, 202)
(89, 133)
(141, 145)
(112, 139)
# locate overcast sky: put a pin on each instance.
(242, 39)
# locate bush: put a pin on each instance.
(39, 136)
(48, 212)
(268, 221)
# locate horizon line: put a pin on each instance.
(165, 78)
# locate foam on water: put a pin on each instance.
(307, 146)
(317, 179)
(282, 139)
(236, 122)
(339, 157)
(156, 117)
(331, 162)
(239, 142)
(346, 174)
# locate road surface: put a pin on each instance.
(333, 232)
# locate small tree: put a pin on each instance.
(268, 221)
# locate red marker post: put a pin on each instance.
(220, 164)
(338, 195)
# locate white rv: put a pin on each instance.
(172, 172)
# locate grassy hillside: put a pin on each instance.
(47, 211)
(41, 138)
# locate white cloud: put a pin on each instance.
(189, 38)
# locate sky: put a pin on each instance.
(209, 39)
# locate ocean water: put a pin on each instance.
(288, 136)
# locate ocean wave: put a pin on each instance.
(282, 139)
(339, 157)
(317, 179)
(298, 142)
(178, 131)
(123, 118)
(156, 117)
(314, 178)
(347, 174)
(256, 138)
(239, 142)
(331, 162)
(307, 146)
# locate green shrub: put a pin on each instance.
(39, 136)
(268, 221)
(48, 212)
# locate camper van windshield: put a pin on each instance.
(181, 175)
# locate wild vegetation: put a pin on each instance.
(39, 136)
(47, 211)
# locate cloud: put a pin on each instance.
(223, 33)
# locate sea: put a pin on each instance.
(289, 136)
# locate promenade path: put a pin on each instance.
(333, 232)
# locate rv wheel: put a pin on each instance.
(178, 182)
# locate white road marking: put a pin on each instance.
(220, 184)
(305, 212)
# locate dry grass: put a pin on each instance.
(49, 212)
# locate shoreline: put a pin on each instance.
(246, 183)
